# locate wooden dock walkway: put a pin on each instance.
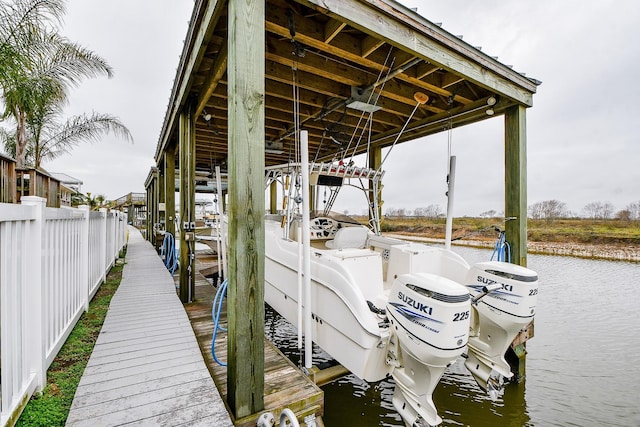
(146, 368)
(285, 386)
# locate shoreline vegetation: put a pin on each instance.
(608, 239)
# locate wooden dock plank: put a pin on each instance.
(146, 367)
(108, 395)
(137, 380)
(285, 386)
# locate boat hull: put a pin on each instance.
(342, 323)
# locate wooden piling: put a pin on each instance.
(246, 99)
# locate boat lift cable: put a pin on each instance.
(421, 99)
(343, 102)
(300, 182)
(379, 82)
(216, 310)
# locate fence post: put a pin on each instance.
(103, 245)
(114, 236)
(35, 293)
(84, 253)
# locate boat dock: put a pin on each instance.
(285, 386)
(147, 367)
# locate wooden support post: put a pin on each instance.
(170, 189)
(516, 183)
(516, 208)
(375, 160)
(152, 205)
(161, 193)
(187, 203)
(245, 369)
(149, 223)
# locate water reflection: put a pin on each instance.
(581, 364)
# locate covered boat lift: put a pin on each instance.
(245, 68)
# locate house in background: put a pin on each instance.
(69, 186)
(7, 179)
(57, 188)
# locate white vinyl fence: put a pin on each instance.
(52, 262)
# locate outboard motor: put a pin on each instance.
(503, 302)
(429, 317)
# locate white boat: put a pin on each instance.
(382, 306)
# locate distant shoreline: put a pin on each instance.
(580, 250)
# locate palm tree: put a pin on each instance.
(21, 25)
(48, 138)
(41, 66)
(95, 202)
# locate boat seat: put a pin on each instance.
(348, 237)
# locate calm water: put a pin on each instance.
(582, 365)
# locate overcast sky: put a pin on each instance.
(583, 143)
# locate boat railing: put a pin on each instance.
(52, 262)
(340, 170)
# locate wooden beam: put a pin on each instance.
(192, 53)
(332, 28)
(414, 34)
(344, 47)
(451, 79)
(370, 45)
(516, 183)
(436, 123)
(424, 69)
(316, 85)
(214, 77)
(245, 369)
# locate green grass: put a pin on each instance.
(606, 232)
(51, 407)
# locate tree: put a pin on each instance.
(21, 24)
(634, 210)
(598, 210)
(39, 67)
(96, 202)
(548, 210)
(431, 211)
(47, 139)
(489, 214)
(624, 215)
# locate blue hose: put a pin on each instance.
(169, 253)
(216, 309)
(502, 249)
